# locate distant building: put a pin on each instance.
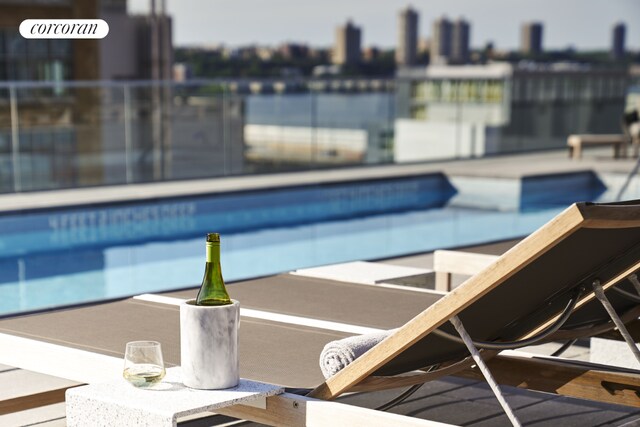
(531, 38)
(441, 40)
(618, 41)
(294, 51)
(52, 146)
(127, 52)
(460, 42)
(407, 48)
(346, 50)
(320, 54)
(477, 110)
(370, 53)
(53, 59)
(182, 72)
(424, 45)
(265, 53)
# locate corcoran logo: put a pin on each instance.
(64, 28)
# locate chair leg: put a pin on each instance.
(455, 321)
(599, 293)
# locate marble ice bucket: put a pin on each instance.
(209, 345)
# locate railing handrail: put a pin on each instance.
(32, 84)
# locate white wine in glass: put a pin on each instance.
(143, 363)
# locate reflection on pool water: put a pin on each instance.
(53, 258)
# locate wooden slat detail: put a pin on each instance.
(31, 401)
(293, 411)
(454, 302)
(566, 379)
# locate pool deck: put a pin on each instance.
(455, 400)
(502, 167)
(450, 400)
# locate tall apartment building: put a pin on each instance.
(407, 49)
(460, 42)
(441, 39)
(450, 41)
(618, 41)
(346, 50)
(531, 38)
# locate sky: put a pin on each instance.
(583, 24)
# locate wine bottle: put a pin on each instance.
(213, 291)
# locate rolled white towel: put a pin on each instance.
(337, 354)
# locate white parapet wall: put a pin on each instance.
(418, 140)
(268, 142)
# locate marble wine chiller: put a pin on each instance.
(209, 345)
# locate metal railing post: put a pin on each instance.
(127, 134)
(15, 141)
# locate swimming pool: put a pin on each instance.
(74, 255)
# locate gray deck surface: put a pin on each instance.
(452, 400)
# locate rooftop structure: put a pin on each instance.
(500, 108)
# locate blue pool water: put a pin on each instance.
(67, 256)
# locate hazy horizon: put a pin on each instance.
(584, 25)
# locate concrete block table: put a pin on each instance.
(119, 403)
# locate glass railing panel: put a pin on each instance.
(45, 153)
(6, 163)
(78, 134)
(279, 128)
(193, 130)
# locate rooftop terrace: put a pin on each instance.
(452, 400)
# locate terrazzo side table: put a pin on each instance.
(119, 403)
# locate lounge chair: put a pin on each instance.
(554, 279)
(547, 277)
(631, 128)
(585, 250)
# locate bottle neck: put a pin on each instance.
(213, 252)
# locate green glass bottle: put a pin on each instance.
(213, 291)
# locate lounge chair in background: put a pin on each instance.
(631, 129)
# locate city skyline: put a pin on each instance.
(583, 25)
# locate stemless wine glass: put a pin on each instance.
(143, 364)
